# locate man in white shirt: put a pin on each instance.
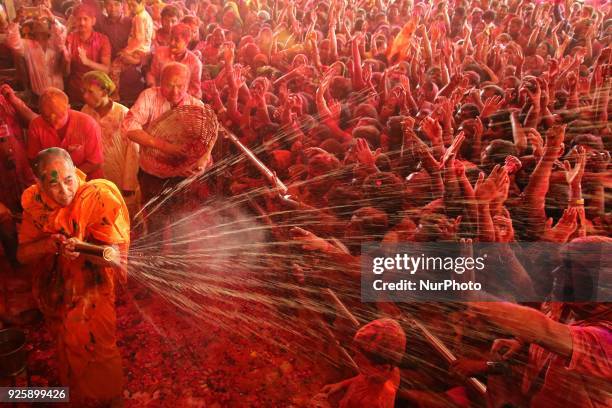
(45, 55)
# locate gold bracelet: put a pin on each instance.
(578, 202)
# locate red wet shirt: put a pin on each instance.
(582, 380)
(81, 137)
(97, 48)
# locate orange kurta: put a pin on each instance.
(78, 297)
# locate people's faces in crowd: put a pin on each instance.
(544, 50)
(217, 38)
(59, 181)
(476, 17)
(496, 129)
(114, 9)
(84, 23)
(93, 95)
(434, 75)
(194, 24)
(26, 30)
(502, 12)
(40, 31)
(229, 19)
(515, 27)
(54, 111)
(178, 42)
(135, 6)
(527, 11)
(174, 85)
(465, 112)
(168, 22)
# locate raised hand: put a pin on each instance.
(432, 129)
(486, 190)
(335, 109)
(506, 348)
(536, 141)
(7, 91)
(534, 95)
(419, 148)
(210, 90)
(565, 227)
(555, 136)
(453, 148)
(367, 74)
(572, 81)
(512, 164)
(309, 241)
(364, 154)
(491, 105)
(83, 56)
(478, 127)
(574, 175)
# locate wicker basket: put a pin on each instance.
(194, 126)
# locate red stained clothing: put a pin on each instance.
(582, 380)
(8, 115)
(363, 393)
(116, 31)
(77, 297)
(150, 105)
(15, 172)
(81, 137)
(161, 39)
(97, 48)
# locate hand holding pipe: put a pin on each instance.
(448, 355)
(108, 253)
(269, 174)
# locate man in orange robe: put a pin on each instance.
(76, 292)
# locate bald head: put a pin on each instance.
(54, 107)
(51, 95)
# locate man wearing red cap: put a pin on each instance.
(379, 347)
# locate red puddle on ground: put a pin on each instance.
(171, 359)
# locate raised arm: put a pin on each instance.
(529, 325)
(535, 192)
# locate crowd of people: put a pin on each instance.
(388, 121)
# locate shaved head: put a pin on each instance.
(54, 107)
(51, 95)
